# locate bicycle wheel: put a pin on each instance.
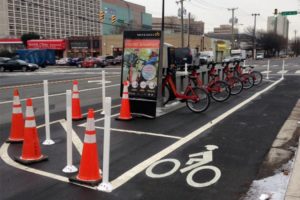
(220, 91)
(247, 80)
(202, 102)
(236, 85)
(257, 76)
(193, 183)
(166, 94)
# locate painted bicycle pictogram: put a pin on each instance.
(196, 163)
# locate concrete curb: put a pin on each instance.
(293, 189)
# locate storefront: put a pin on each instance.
(84, 46)
(10, 44)
(58, 45)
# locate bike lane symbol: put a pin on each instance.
(196, 163)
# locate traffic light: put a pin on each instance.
(275, 11)
(101, 16)
(113, 19)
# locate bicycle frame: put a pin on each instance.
(168, 80)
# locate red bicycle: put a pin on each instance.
(246, 78)
(256, 75)
(236, 85)
(196, 98)
(218, 90)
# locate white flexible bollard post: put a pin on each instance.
(105, 185)
(48, 140)
(185, 69)
(70, 168)
(103, 91)
(244, 65)
(268, 70)
(282, 74)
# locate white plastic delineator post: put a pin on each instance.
(70, 168)
(282, 74)
(103, 91)
(268, 70)
(186, 69)
(105, 185)
(48, 140)
(244, 63)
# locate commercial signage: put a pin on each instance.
(140, 68)
(46, 44)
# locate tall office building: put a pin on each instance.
(279, 25)
(50, 18)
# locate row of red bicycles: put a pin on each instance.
(197, 95)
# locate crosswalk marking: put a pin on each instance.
(265, 72)
(282, 72)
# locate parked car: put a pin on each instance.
(92, 62)
(233, 59)
(12, 65)
(118, 60)
(74, 61)
(204, 59)
(62, 61)
(110, 60)
(259, 56)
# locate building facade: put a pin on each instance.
(225, 29)
(129, 16)
(173, 25)
(279, 25)
(49, 18)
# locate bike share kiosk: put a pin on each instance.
(140, 67)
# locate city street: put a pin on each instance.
(232, 138)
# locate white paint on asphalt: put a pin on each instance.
(297, 72)
(101, 119)
(141, 133)
(100, 110)
(60, 94)
(265, 72)
(282, 72)
(75, 139)
(125, 177)
(98, 81)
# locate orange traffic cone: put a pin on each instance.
(17, 121)
(76, 110)
(89, 165)
(125, 104)
(31, 152)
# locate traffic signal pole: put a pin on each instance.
(254, 35)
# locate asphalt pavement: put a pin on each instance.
(239, 133)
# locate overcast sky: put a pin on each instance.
(215, 12)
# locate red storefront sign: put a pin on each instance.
(46, 44)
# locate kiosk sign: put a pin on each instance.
(140, 68)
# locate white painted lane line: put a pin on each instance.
(98, 81)
(274, 65)
(141, 133)
(5, 157)
(282, 72)
(265, 72)
(60, 94)
(50, 82)
(75, 139)
(297, 72)
(143, 165)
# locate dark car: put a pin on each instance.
(12, 65)
(74, 61)
(182, 56)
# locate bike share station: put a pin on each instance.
(164, 152)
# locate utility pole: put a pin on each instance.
(189, 26)
(181, 15)
(254, 35)
(295, 31)
(232, 26)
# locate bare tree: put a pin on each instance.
(271, 42)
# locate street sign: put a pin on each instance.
(120, 21)
(285, 13)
